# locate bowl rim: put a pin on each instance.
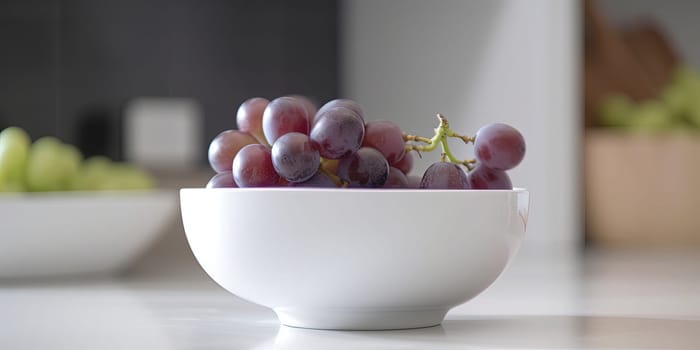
(85, 194)
(347, 190)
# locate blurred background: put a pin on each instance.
(605, 92)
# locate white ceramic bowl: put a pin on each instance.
(354, 259)
(78, 233)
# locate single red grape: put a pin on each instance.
(284, 115)
(249, 117)
(295, 157)
(444, 175)
(222, 180)
(499, 146)
(338, 133)
(252, 167)
(485, 178)
(364, 168)
(387, 138)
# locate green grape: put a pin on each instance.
(616, 110)
(651, 116)
(14, 150)
(682, 94)
(92, 174)
(45, 165)
(53, 165)
(676, 100)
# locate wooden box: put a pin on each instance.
(642, 190)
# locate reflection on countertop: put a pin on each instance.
(600, 299)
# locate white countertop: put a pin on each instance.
(596, 301)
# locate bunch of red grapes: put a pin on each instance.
(288, 142)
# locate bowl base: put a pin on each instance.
(361, 319)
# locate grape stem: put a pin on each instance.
(442, 133)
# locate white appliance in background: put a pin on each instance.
(479, 62)
(163, 133)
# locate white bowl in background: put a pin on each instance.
(353, 258)
(78, 233)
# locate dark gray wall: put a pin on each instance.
(68, 65)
